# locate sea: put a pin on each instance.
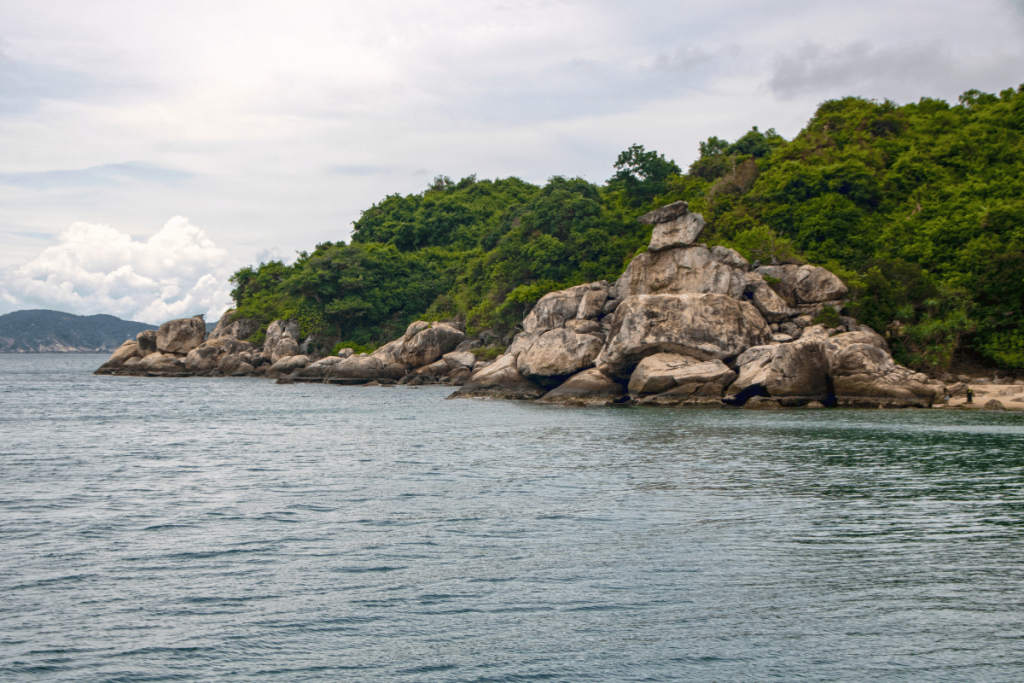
(235, 529)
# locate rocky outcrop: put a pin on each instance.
(181, 336)
(702, 326)
(557, 354)
(589, 387)
(685, 324)
(240, 329)
(796, 372)
(673, 379)
(501, 379)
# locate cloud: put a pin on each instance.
(178, 272)
(107, 174)
(862, 68)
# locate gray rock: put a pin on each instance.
(730, 257)
(557, 354)
(666, 213)
(994, 404)
(223, 354)
(798, 369)
(181, 336)
(241, 329)
(127, 351)
(555, 308)
(278, 332)
(289, 364)
(500, 379)
(588, 387)
(460, 359)
(806, 284)
(864, 375)
(689, 270)
(664, 371)
(363, 368)
(592, 303)
(147, 342)
(681, 232)
(704, 326)
(522, 342)
(428, 344)
(285, 348)
(772, 306)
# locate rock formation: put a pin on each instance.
(684, 324)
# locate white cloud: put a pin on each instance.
(94, 268)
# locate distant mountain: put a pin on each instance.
(55, 332)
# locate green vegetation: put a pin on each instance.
(919, 208)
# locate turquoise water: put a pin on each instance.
(239, 530)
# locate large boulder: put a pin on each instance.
(797, 372)
(289, 364)
(864, 375)
(662, 372)
(223, 355)
(500, 379)
(555, 308)
(428, 344)
(691, 270)
(703, 326)
(282, 340)
(557, 354)
(806, 284)
(181, 336)
(157, 364)
(147, 342)
(665, 214)
(117, 360)
(364, 368)
(769, 304)
(589, 387)
(242, 328)
(681, 232)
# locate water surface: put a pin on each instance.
(239, 530)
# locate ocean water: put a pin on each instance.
(239, 530)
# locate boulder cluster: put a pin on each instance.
(685, 324)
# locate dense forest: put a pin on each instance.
(918, 208)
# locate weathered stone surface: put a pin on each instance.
(460, 376)
(555, 308)
(289, 364)
(664, 371)
(415, 328)
(344, 353)
(428, 344)
(161, 363)
(223, 354)
(278, 333)
(666, 213)
(865, 335)
(806, 284)
(690, 271)
(147, 342)
(994, 404)
(681, 232)
(390, 352)
(243, 369)
(522, 342)
(585, 327)
(363, 368)
(798, 369)
(558, 354)
(125, 352)
(588, 387)
(181, 336)
(460, 359)
(242, 328)
(769, 304)
(285, 348)
(730, 257)
(592, 303)
(704, 326)
(500, 379)
(865, 375)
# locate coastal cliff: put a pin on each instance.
(685, 324)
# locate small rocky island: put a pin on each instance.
(685, 324)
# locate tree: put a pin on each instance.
(642, 175)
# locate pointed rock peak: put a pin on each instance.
(666, 213)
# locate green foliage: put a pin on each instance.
(829, 317)
(642, 175)
(488, 352)
(355, 346)
(919, 209)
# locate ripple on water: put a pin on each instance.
(241, 530)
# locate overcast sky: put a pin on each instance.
(148, 149)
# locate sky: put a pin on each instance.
(148, 150)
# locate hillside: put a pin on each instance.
(918, 207)
(41, 331)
